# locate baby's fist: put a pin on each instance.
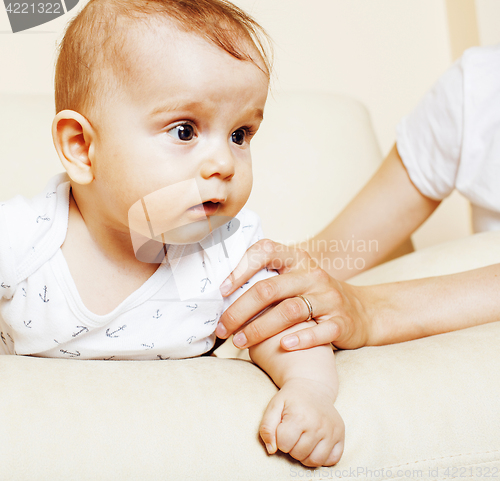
(301, 420)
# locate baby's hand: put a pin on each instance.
(302, 420)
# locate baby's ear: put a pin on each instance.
(74, 137)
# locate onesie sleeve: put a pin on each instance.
(6, 279)
(429, 140)
(6, 257)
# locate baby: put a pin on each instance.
(121, 257)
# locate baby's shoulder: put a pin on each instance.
(31, 229)
(248, 215)
(249, 223)
(242, 231)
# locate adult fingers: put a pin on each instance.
(341, 330)
(323, 333)
(326, 305)
(264, 253)
(262, 295)
(284, 315)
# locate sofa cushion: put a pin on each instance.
(424, 409)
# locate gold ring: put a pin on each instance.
(309, 306)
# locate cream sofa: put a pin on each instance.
(426, 409)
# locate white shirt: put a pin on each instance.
(452, 139)
(172, 315)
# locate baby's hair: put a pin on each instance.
(91, 61)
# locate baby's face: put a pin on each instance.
(176, 147)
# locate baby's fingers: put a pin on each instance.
(269, 424)
(312, 453)
(336, 454)
(322, 455)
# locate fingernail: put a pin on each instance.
(225, 287)
(337, 450)
(240, 340)
(221, 330)
(269, 448)
(290, 341)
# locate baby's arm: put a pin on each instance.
(301, 418)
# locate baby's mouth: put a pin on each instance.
(207, 208)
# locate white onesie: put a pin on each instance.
(172, 315)
(452, 139)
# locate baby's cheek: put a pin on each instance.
(246, 183)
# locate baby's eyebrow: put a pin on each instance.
(259, 114)
(167, 107)
(172, 106)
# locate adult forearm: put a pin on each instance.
(375, 223)
(408, 310)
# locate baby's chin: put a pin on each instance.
(151, 250)
(190, 233)
(194, 231)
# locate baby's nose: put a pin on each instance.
(220, 163)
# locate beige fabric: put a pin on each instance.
(464, 254)
(28, 158)
(423, 405)
(410, 409)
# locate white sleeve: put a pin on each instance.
(6, 282)
(429, 140)
(6, 258)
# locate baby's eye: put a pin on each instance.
(184, 132)
(239, 136)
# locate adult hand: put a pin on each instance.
(338, 308)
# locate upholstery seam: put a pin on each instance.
(444, 457)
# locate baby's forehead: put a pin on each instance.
(145, 46)
(160, 32)
(132, 48)
(165, 69)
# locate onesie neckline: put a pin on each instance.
(143, 293)
(66, 282)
